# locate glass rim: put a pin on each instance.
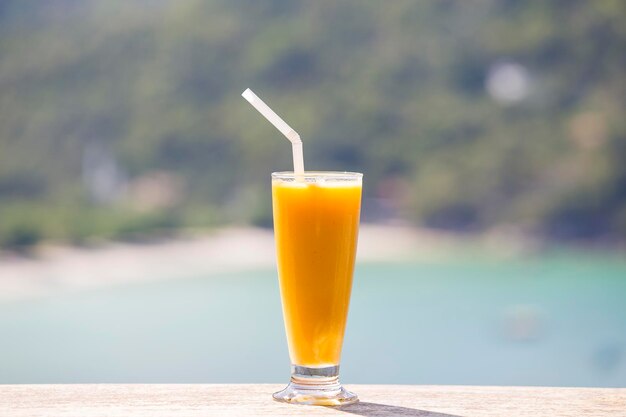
(289, 175)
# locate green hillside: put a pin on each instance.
(120, 118)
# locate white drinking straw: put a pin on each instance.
(284, 128)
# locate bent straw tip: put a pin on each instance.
(248, 94)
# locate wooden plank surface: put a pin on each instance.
(255, 400)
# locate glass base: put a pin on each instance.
(315, 386)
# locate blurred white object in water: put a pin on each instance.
(522, 323)
(507, 82)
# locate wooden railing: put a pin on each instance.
(174, 400)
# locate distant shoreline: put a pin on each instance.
(60, 269)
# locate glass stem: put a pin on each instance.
(304, 376)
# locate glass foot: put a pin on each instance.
(315, 386)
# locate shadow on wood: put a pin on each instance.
(376, 410)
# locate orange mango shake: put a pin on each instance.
(316, 226)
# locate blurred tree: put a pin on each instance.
(493, 113)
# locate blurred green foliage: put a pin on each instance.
(393, 89)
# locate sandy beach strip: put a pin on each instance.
(59, 269)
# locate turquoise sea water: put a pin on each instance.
(557, 320)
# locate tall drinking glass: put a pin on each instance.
(316, 223)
